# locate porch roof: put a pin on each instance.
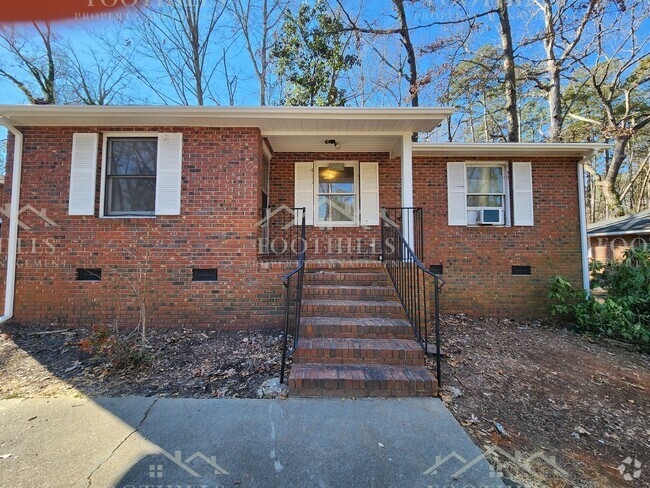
(281, 121)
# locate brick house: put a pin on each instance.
(186, 185)
(609, 239)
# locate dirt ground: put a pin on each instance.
(550, 391)
(37, 362)
(525, 387)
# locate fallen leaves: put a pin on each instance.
(538, 387)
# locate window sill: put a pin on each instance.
(127, 216)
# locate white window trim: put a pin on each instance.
(102, 189)
(355, 222)
(506, 190)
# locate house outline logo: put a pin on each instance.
(42, 214)
(519, 459)
(635, 464)
(177, 459)
(282, 208)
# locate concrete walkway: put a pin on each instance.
(137, 442)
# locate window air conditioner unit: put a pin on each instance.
(489, 216)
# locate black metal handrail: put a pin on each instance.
(293, 283)
(409, 276)
(405, 218)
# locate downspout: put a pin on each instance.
(12, 249)
(584, 239)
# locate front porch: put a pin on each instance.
(342, 182)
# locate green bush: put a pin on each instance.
(623, 313)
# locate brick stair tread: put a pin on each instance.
(311, 302)
(372, 292)
(355, 327)
(342, 287)
(355, 321)
(314, 379)
(356, 343)
(339, 265)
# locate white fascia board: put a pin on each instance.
(34, 115)
(586, 150)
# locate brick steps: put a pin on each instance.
(347, 292)
(362, 278)
(355, 339)
(354, 380)
(353, 327)
(359, 351)
(352, 308)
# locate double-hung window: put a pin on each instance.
(336, 194)
(486, 186)
(131, 176)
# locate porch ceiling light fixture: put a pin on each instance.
(333, 143)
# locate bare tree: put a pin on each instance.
(565, 23)
(618, 78)
(258, 21)
(29, 62)
(94, 77)
(179, 37)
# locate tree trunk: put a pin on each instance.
(610, 192)
(509, 72)
(553, 68)
(410, 55)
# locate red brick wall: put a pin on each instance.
(477, 261)
(221, 198)
(220, 201)
(337, 242)
(612, 248)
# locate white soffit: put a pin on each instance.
(349, 143)
(271, 120)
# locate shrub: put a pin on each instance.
(624, 313)
(105, 342)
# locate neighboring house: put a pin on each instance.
(609, 239)
(191, 181)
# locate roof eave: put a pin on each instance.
(584, 150)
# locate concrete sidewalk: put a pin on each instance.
(136, 442)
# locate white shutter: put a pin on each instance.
(369, 193)
(456, 196)
(168, 174)
(304, 190)
(522, 190)
(83, 174)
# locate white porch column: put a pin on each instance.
(407, 188)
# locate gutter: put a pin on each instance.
(640, 232)
(12, 251)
